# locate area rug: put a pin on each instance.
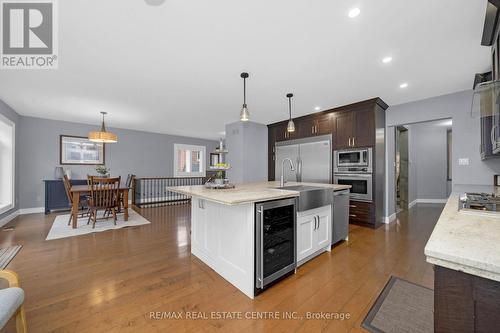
(402, 307)
(61, 229)
(7, 254)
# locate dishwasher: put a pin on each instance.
(340, 229)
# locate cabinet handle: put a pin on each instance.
(353, 206)
(349, 142)
(312, 129)
(353, 215)
(317, 216)
(314, 217)
(493, 136)
(353, 144)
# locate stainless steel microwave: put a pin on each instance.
(353, 160)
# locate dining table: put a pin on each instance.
(79, 191)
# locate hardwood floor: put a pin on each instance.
(112, 281)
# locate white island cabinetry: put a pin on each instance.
(314, 233)
(223, 227)
(222, 236)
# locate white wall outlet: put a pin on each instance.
(464, 161)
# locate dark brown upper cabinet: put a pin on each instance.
(354, 129)
(323, 124)
(280, 133)
(351, 126)
(344, 125)
(364, 128)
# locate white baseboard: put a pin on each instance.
(431, 200)
(33, 210)
(8, 218)
(390, 218)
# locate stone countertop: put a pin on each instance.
(248, 192)
(465, 241)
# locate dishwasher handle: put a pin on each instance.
(341, 192)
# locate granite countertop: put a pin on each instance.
(248, 192)
(465, 241)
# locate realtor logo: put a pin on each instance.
(29, 34)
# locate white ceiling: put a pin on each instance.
(174, 68)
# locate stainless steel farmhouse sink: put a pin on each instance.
(311, 196)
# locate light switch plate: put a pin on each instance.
(464, 161)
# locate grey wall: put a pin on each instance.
(247, 145)
(428, 161)
(137, 152)
(466, 138)
(9, 113)
(412, 171)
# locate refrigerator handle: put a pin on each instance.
(298, 174)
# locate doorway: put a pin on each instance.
(401, 168)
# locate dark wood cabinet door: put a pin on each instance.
(364, 129)
(280, 132)
(304, 127)
(292, 135)
(343, 130)
(271, 139)
(487, 305)
(453, 301)
(323, 124)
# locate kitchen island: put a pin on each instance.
(223, 226)
(464, 247)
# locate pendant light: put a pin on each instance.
(244, 114)
(103, 136)
(291, 124)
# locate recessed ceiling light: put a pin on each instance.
(354, 12)
(317, 108)
(403, 85)
(154, 2)
(387, 60)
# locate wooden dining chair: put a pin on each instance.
(128, 184)
(83, 205)
(104, 195)
(11, 302)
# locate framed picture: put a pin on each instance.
(78, 150)
(214, 159)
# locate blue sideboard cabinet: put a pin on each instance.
(55, 194)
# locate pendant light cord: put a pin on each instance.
(290, 106)
(244, 91)
(103, 127)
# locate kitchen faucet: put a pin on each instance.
(282, 179)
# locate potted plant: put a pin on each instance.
(219, 178)
(102, 170)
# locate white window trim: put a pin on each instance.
(203, 149)
(7, 207)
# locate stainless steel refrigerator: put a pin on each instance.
(312, 158)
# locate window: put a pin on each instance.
(7, 166)
(189, 161)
